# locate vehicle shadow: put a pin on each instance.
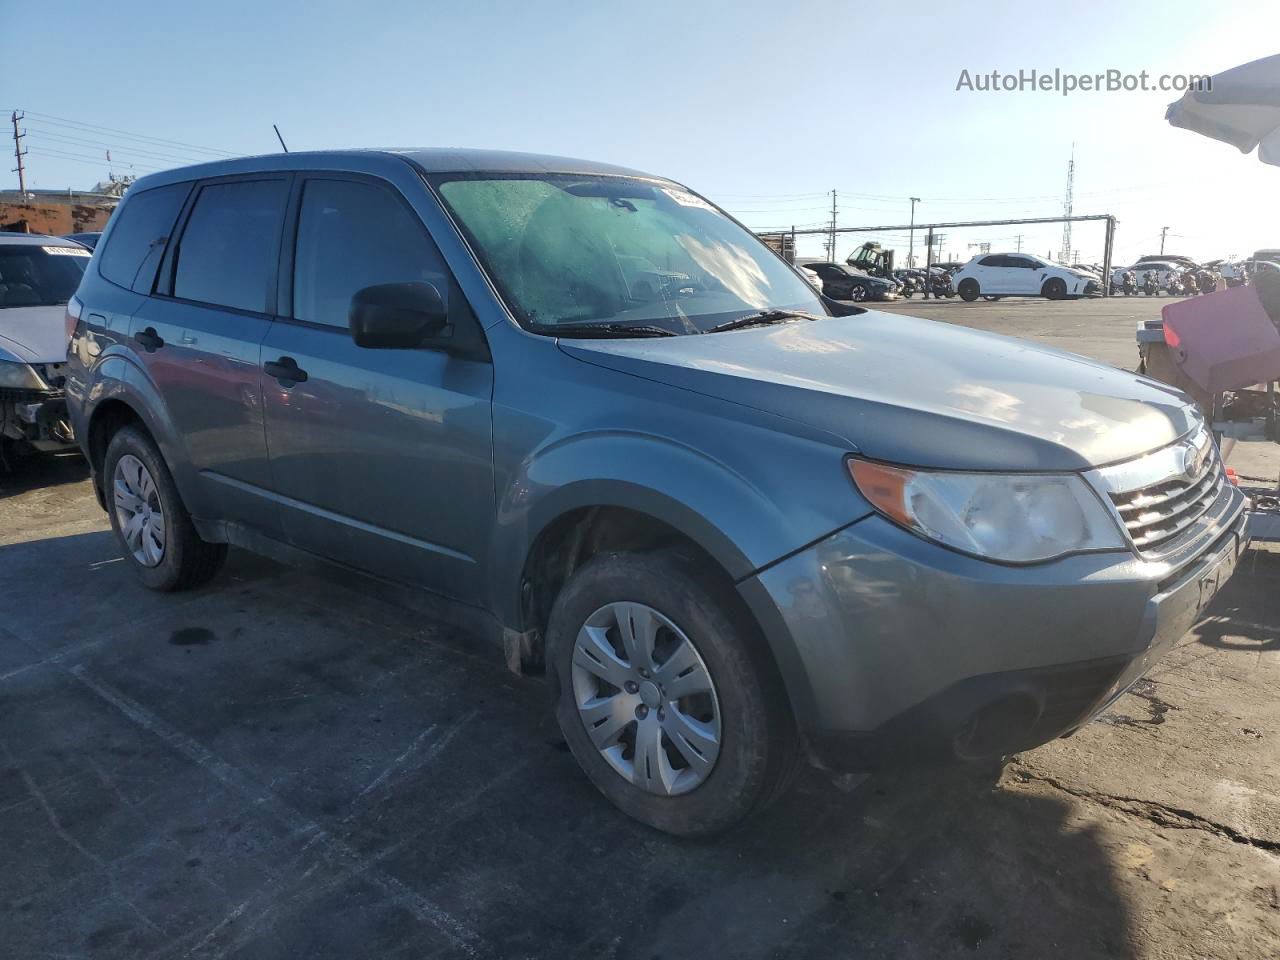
(1245, 615)
(26, 473)
(926, 863)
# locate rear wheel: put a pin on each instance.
(969, 290)
(1055, 288)
(149, 519)
(665, 696)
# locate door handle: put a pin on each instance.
(149, 340)
(286, 370)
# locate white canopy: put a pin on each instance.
(1242, 108)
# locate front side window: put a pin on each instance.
(353, 235)
(227, 254)
(616, 251)
(39, 276)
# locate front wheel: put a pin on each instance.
(665, 694)
(1055, 288)
(149, 519)
(969, 290)
(858, 293)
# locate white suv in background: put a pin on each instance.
(1020, 275)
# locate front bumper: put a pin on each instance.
(37, 418)
(896, 650)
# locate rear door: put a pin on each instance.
(199, 335)
(993, 274)
(381, 458)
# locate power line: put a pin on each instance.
(79, 158)
(64, 121)
(42, 135)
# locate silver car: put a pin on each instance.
(735, 524)
(38, 276)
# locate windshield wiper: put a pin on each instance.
(762, 318)
(616, 330)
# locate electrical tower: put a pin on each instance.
(1064, 254)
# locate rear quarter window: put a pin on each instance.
(137, 239)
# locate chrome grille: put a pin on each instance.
(1161, 496)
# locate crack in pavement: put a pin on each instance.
(1153, 811)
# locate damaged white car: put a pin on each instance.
(38, 276)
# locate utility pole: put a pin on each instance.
(1163, 231)
(1019, 243)
(831, 244)
(19, 153)
(911, 242)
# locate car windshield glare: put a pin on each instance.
(37, 276)
(617, 251)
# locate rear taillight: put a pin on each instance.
(74, 309)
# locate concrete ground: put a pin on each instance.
(279, 766)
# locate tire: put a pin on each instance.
(969, 290)
(1055, 288)
(990, 299)
(756, 747)
(857, 293)
(135, 475)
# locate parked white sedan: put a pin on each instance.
(1020, 275)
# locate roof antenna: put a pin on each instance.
(280, 138)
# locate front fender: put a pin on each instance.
(744, 523)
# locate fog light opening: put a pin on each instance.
(997, 728)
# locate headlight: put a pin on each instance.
(19, 376)
(1013, 518)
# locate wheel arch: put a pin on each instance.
(123, 395)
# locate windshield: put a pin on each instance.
(615, 252)
(35, 276)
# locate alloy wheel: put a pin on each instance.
(138, 510)
(646, 698)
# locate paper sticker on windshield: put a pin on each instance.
(687, 199)
(67, 251)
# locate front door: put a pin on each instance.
(199, 338)
(1024, 275)
(380, 458)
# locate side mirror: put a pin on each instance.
(398, 316)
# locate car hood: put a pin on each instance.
(913, 391)
(33, 334)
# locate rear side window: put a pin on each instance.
(137, 238)
(353, 235)
(992, 261)
(227, 253)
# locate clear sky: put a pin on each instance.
(762, 106)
